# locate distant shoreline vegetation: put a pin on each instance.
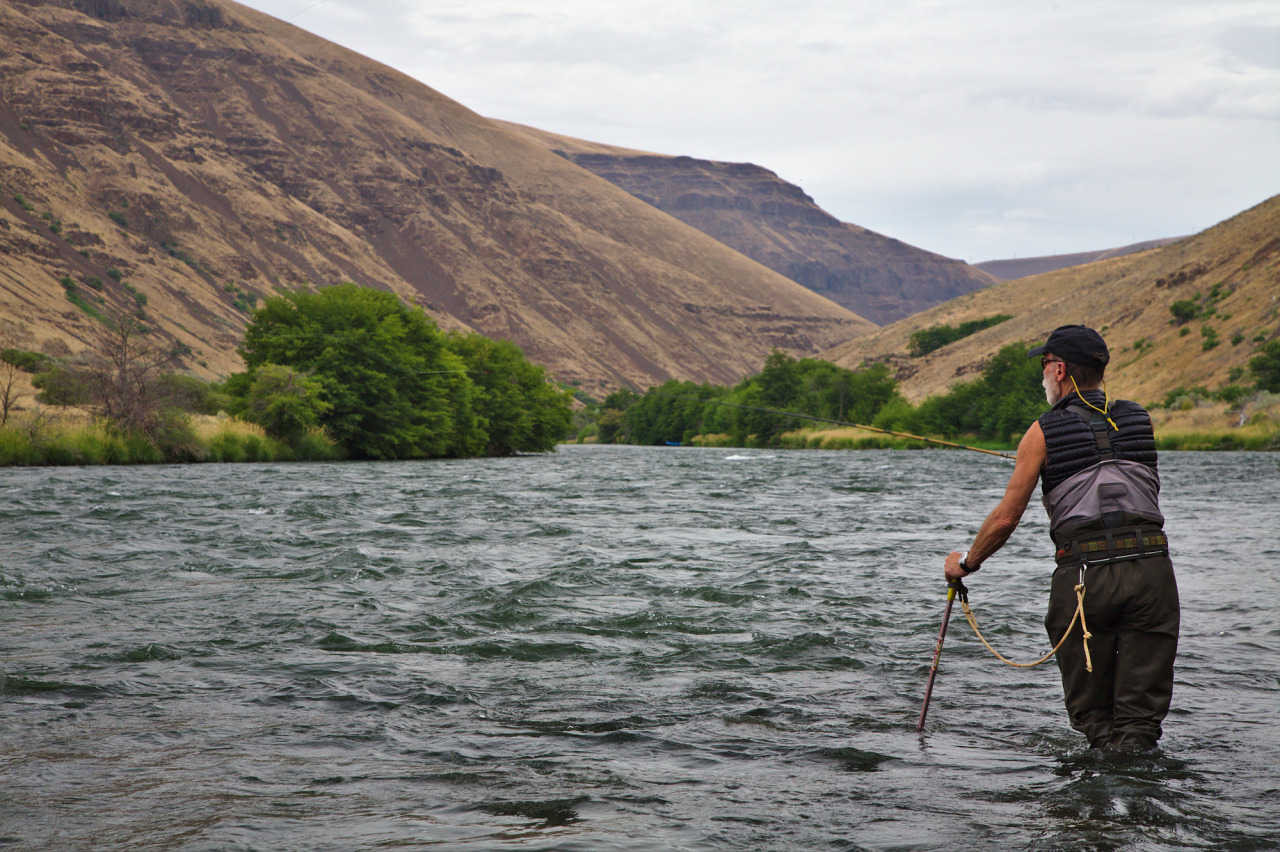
(343, 373)
(992, 411)
(353, 373)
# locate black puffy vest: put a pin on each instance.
(1071, 443)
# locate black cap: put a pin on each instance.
(1078, 344)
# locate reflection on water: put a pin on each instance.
(607, 648)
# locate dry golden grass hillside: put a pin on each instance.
(188, 158)
(1231, 271)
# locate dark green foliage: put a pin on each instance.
(28, 362)
(1210, 336)
(393, 387)
(188, 393)
(522, 411)
(1265, 366)
(286, 403)
(669, 412)
(926, 340)
(115, 275)
(118, 218)
(60, 385)
(1184, 310)
(1233, 395)
(997, 406)
(677, 411)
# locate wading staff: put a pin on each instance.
(953, 587)
(937, 441)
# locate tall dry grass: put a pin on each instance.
(53, 436)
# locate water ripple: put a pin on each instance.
(604, 649)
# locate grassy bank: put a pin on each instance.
(1216, 426)
(71, 438)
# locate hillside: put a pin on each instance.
(187, 158)
(752, 210)
(1231, 271)
(1022, 267)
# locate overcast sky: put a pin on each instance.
(979, 130)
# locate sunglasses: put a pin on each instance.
(1044, 362)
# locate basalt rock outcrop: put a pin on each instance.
(752, 210)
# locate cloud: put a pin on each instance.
(975, 129)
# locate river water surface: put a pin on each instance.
(604, 648)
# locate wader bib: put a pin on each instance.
(1101, 488)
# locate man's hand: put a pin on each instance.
(951, 567)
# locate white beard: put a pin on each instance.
(1051, 391)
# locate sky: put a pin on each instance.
(977, 129)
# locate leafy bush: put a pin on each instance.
(286, 403)
(393, 387)
(1265, 366)
(1233, 395)
(28, 362)
(1184, 310)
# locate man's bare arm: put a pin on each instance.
(1004, 518)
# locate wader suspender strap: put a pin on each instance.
(1099, 426)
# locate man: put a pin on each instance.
(1096, 460)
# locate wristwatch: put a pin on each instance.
(964, 564)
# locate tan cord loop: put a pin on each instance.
(1079, 614)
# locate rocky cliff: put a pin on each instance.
(187, 158)
(752, 210)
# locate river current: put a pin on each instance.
(603, 648)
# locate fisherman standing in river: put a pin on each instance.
(1096, 460)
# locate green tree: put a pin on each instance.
(522, 410)
(284, 402)
(1265, 366)
(392, 386)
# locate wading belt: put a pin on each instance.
(1100, 548)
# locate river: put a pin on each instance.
(604, 648)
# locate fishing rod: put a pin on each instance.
(1009, 456)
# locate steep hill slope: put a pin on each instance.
(198, 155)
(754, 211)
(1231, 271)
